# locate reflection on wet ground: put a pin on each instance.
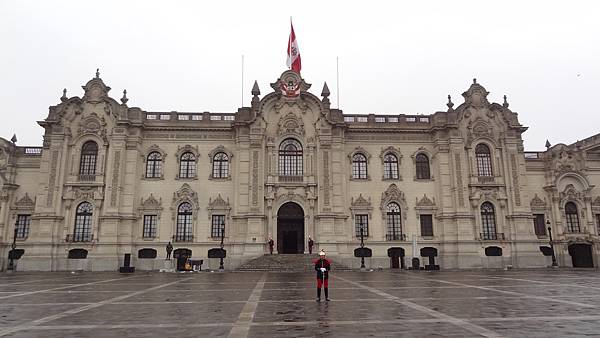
(532, 303)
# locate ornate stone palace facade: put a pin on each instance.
(454, 188)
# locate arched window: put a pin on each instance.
(484, 160)
(394, 223)
(290, 158)
(390, 167)
(359, 166)
(87, 163)
(572, 217)
(187, 166)
(183, 232)
(83, 223)
(154, 165)
(488, 221)
(220, 166)
(422, 166)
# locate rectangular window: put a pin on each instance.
(229, 117)
(183, 117)
(380, 119)
(22, 225)
(218, 226)
(539, 225)
(361, 119)
(150, 222)
(348, 118)
(392, 119)
(197, 117)
(598, 222)
(150, 117)
(165, 117)
(426, 225)
(361, 221)
(215, 117)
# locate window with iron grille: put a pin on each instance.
(422, 166)
(484, 160)
(290, 158)
(361, 221)
(426, 225)
(394, 224)
(220, 165)
(23, 222)
(572, 217)
(154, 165)
(150, 225)
(183, 230)
(187, 166)
(390, 167)
(218, 226)
(87, 163)
(488, 221)
(539, 225)
(359, 166)
(83, 223)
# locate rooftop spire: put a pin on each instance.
(124, 99)
(505, 104)
(449, 104)
(97, 73)
(325, 92)
(548, 145)
(255, 89)
(64, 98)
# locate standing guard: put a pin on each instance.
(169, 250)
(311, 243)
(322, 266)
(271, 243)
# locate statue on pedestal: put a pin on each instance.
(169, 250)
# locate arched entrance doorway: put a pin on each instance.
(290, 229)
(581, 255)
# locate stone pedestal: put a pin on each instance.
(168, 266)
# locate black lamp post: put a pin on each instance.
(11, 262)
(362, 245)
(554, 264)
(222, 238)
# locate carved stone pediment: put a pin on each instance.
(360, 201)
(185, 193)
(151, 203)
(25, 203)
(95, 90)
(537, 203)
(218, 203)
(425, 201)
(392, 194)
(290, 84)
(290, 124)
(570, 194)
(92, 124)
(596, 202)
(476, 96)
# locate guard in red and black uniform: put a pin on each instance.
(322, 266)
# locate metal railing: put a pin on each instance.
(297, 178)
(87, 177)
(183, 238)
(491, 236)
(395, 237)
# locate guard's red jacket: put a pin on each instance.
(322, 263)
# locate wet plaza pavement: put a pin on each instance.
(532, 303)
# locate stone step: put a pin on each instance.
(285, 263)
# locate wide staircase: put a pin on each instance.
(285, 263)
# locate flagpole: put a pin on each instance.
(337, 71)
(242, 80)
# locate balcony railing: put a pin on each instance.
(183, 238)
(491, 236)
(87, 177)
(485, 179)
(298, 178)
(395, 237)
(75, 238)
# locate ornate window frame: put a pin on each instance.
(367, 155)
(24, 206)
(393, 151)
(150, 206)
(187, 149)
(539, 207)
(211, 156)
(184, 194)
(426, 206)
(571, 194)
(147, 152)
(430, 157)
(393, 194)
(218, 206)
(361, 206)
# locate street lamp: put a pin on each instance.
(554, 264)
(222, 238)
(362, 245)
(11, 262)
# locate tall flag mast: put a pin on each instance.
(293, 53)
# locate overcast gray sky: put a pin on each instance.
(394, 57)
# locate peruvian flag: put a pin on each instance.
(293, 53)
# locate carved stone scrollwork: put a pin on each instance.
(290, 124)
(185, 194)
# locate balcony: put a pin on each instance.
(289, 179)
(491, 236)
(395, 237)
(485, 179)
(183, 238)
(87, 177)
(79, 238)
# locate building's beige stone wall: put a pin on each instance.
(44, 182)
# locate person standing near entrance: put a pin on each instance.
(271, 243)
(311, 243)
(322, 266)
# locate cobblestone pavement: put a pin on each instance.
(534, 303)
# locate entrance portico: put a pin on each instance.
(290, 229)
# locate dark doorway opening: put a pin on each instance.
(396, 256)
(182, 255)
(290, 229)
(581, 255)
